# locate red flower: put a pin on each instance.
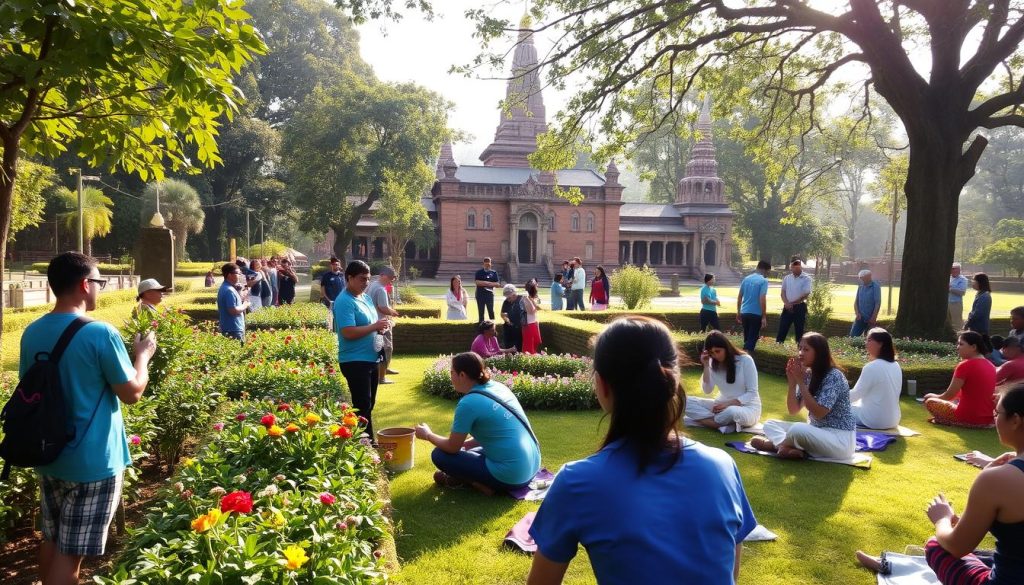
(327, 499)
(283, 406)
(363, 421)
(268, 420)
(343, 432)
(343, 406)
(240, 417)
(238, 501)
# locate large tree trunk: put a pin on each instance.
(342, 241)
(8, 173)
(937, 173)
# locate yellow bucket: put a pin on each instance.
(400, 442)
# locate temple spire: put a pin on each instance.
(523, 116)
(446, 165)
(701, 183)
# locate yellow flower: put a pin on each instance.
(333, 429)
(292, 428)
(188, 462)
(295, 557)
(206, 521)
(350, 420)
(275, 431)
(312, 418)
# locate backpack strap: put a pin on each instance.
(65, 338)
(522, 420)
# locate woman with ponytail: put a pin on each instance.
(503, 453)
(650, 503)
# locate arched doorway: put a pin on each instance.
(527, 246)
(710, 253)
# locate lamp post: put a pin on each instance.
(81, 206)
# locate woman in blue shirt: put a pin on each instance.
(503, 454)
(680, 513)
(981, 310)
(360, 339)
(709, 304)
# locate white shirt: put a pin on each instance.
(796, 286)
(743, 389)
(876, 395)
(579, 279)
(456, 307)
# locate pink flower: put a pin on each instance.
(218, 427)
(135, 440)
(327, 499)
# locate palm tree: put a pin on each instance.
(181, 208)
(96, 213)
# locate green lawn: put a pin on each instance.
(822, 512)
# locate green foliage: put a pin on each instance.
(173, 332)
(29, 200)
(401, 217)
(288, 316)
(96, 213)
(819, 305)
(636, 286)
(1007, 252)
(409, 295)
(266, 250)
(1009, 228)
(286, 477)
(549, 382)
(284, 380)
(180, 207)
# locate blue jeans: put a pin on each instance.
(470, 465)
(751, 330)
(859, 327)
(576, 300)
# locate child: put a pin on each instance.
(557, 293)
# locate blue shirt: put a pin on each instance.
(489, 276)
(509, 451)
(711, 294)
(332, 284)
(959, 283)
(753, 287)
(869, 299)
(95, 360)
(228, 298)
(350, 311)
(680, 526)
(981, 310)
(557, 296)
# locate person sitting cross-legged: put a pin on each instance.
(503, 453)
(993, 506)
(875, 397)
(817, 384)
(733, 371)
(968, 400)
(486, 343)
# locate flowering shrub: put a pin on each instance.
(285, 380)
(299, 315)
(570, 388)
(173, 332)
(302, 507)
(541, 364)
(302, 345)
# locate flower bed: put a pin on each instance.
(288, 496)
(546, 382)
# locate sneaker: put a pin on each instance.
(386, 382)
(392, 372)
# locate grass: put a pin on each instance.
(821, 512)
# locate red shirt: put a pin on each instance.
(597, 292)
(1010, 371)
(976, 404)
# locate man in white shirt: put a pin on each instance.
(796, 287)
(579, 283)
(957, 289)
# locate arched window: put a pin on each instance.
(471, 218)
(487, 219)
(575, 223)
(590, 221)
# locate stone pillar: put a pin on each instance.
(155, 258)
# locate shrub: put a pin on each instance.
(182, 286)
(636, 286)
(266, 249)
(299, 315)
(285, 380)
(819, 305)
(173, 331)
(182, 408)
(409, 296)
(308, 489)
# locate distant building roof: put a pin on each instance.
(704, 210)
(653, 228)
(518, 176)
(648, 210)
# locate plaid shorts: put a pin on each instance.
(77, 515)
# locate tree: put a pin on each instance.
(346, 140)
(180, 208)
(96, 213)
(1000, 177)
(856, 147)
(788, 52)
(1007, 252)
(1009, 228)
(29, 200)
(401, 217)
(130, 81)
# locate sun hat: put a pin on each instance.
(151, 284)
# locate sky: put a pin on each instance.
(420, 51)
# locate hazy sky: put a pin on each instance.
(420, 51)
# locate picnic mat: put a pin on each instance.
(858, 460)
(873, 441)
(907, 570)
(519, 537)
(897, 431)
(757, 429)
(537, 488)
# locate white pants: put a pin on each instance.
(700, 409)
(816, 441)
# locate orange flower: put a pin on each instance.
(292, 428)
(206, 521)
(275, 431)
(350, 420)
(312, 418)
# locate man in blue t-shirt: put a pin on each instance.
(331, 283)
(486, 281)
(751, 305)
(866, 304)
(81, 489)
(231, 306)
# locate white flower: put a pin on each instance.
(218, 491)
(239, 478)
(270, 490)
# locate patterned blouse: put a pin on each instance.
(834, 395)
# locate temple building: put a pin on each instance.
(510, 212)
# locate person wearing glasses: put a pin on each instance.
(232, 303)
(81, 489)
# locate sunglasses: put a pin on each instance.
(100, 282)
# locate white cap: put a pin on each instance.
(150, 284)
(863, 273)
(509, 289)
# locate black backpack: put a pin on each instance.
(34, 418)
